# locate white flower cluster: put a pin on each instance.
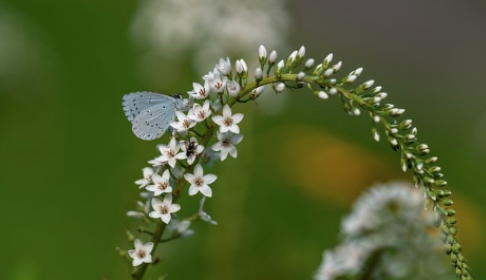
(208, 28)
(181, 160)
(385, 235)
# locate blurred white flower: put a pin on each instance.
(209, 28)
(385, 235)
(181, 228)
(226, 144)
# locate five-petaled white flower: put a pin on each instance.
(141, 253)
(163, 209)
(228, 121)
(169, 153)
(199, 91)
(199, 113)
(161, 183)
(216, 82)
(224, 66)
(200, 182)
(233, 88)
(184, 122)
(147, 177)
(190, 149)
(226, 144)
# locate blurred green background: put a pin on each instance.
(69, 158)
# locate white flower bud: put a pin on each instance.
(300, 76)
(333, 91)
(280, 87)
(376, 89)
(394, 142)
(351, 78)
(376, 119)
(358, 71)
(382, 95)
(368, 84)
(258, 74)
(241, 66)
(327, 60)
(323, 95)
(328, 72)
(262, 52)
(301, 51)
(376, 99)
(273, 57)
(376, 135)
(293, 56)
(309, 63)
(393, 131)
(337, 66)
(356, 112)
(280, 65)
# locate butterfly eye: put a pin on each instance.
(177, 95)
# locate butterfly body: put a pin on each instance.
(150, 113)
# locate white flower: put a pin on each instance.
(224, 66)
(216, 82)
(184, 123)
(199, 113)
(172, 28)
(181, 228)
(147, 174)
(226, 144)
(190, 149)
(228, 121)
(202, 215)
(163, 209)
(241, 66)
(233, 88)
(161, 183)
(199, 91)
(141, 253)
(169, 153)
(200, 182)
(346, 259)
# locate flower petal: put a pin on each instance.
(237, 118)
(209, 178)
(206, 191)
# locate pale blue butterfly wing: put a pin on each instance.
(150, 113)
(134, 103)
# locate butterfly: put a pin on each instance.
(151, 113)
